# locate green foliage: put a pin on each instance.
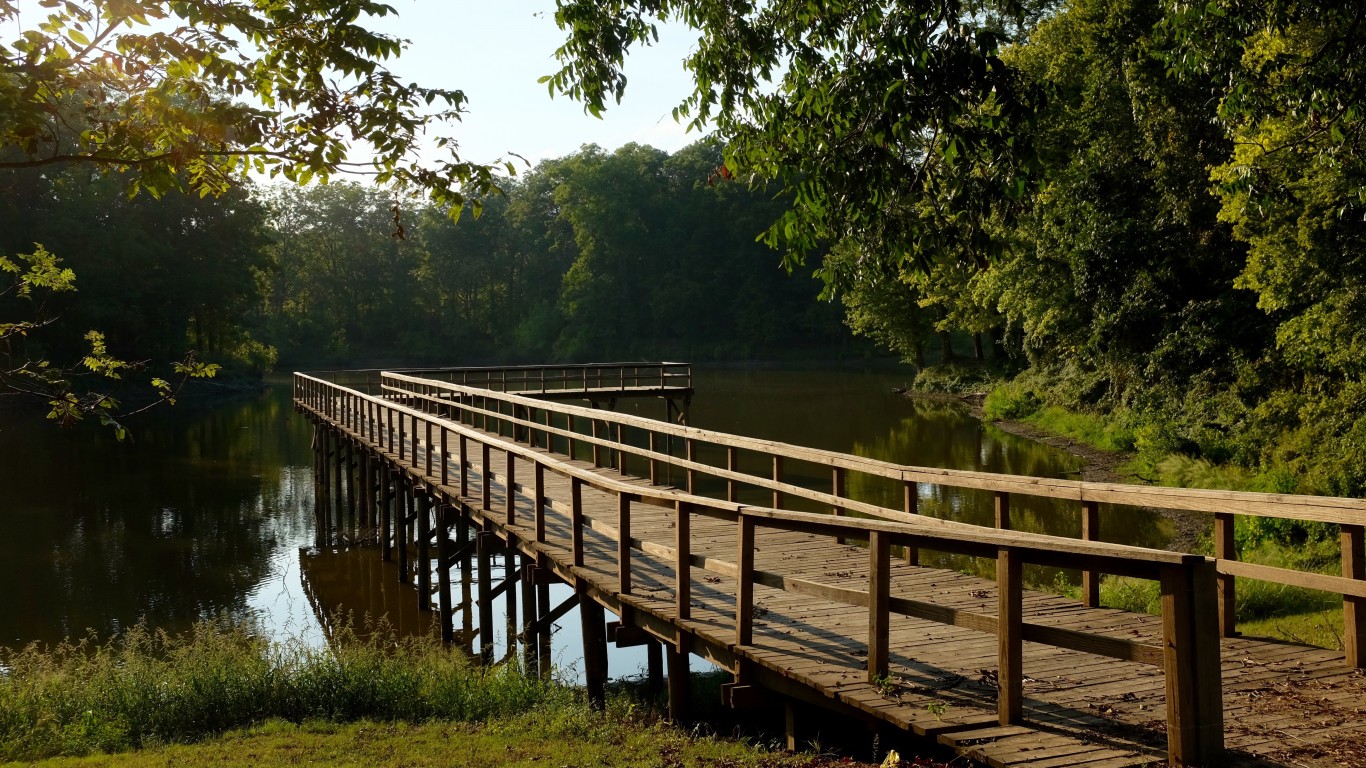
(896, 126)
(1011, 401)
(195, 96)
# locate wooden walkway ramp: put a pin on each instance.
(827, 611)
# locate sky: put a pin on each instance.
(496, 50)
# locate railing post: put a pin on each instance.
(402, 443)
(744, 582)
(1354, 608)
(464, 466)
(1009, 637)
(538, 505)
(910, 492)
(485, 477)
(576, 520)
(777, 478)
(690, 452)
(445, 460)
(732, 460)
(837, 490)
(597, 460)
(427, 470)
(683, 560)
(624, 543)
(1003, 510)
(879, 602)
(1190, 640)
(1090, 531)
(511, 486)
(654, 463)
(1225, 548)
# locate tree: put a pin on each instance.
(194, 96)
(895, 125)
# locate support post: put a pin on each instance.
(528, 584)
(538, 502)
(576, 520)
(483, 549)
(683, 560)
(744, 582)
(1090, 531)
(424, 551)
(443, 573)
(1009, 637)
(732, 462)
(510, 491)
(591, 619)
(486, 477)
(401, 537)
(543, 661)
(1225, 549)
(910, 491)
(1190, 640)
(1003, 510)
(386, 513)
(1354, 608)
(680, 681)
(777, 478)
(879, 603)
(624, 543)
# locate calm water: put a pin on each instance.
(208, 510)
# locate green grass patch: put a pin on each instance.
(149, 687)
(564, 736)
(1105, 433)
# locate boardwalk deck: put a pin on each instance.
(1283, 703)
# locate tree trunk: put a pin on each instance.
(945, 346)
(977, 353)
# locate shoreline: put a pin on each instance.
(1098, 466)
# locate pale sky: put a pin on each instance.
(495, 51)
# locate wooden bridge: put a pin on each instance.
(814, 600)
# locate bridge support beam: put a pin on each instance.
(593, 621)
(679, 679)
(483, 550)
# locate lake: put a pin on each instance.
(207, 510)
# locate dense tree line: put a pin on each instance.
(633, 254)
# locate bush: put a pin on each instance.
(1011, 401)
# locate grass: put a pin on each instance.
(557, 737)
(152, 688)
(221, 696)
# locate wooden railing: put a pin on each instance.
(598, 378)
(449, 421)
(618, 439)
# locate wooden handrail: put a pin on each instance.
(1349, 514)
(1188, 655)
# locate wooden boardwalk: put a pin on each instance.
(820, 624)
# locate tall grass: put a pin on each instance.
(149, 687)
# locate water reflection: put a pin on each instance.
(182, 523)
